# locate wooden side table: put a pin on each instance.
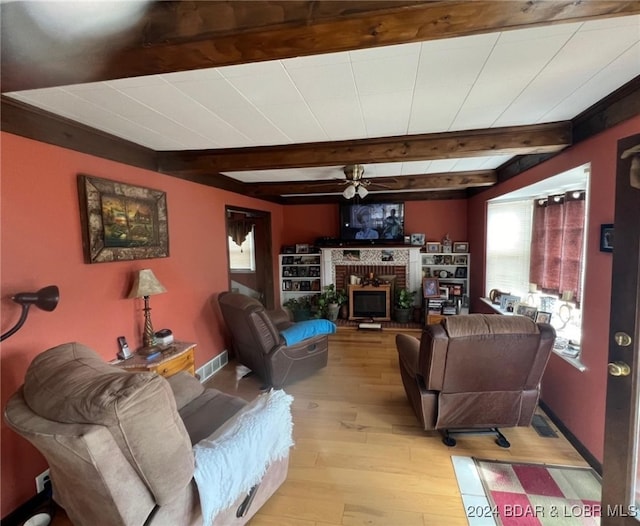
(176, 357)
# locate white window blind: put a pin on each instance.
(242, 258)
(509, 246)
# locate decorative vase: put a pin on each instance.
(333, 310)
(344, 311)
(403, 315)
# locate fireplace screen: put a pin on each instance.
(370, 303)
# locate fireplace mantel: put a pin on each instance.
(381, 260)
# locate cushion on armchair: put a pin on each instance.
(307, 329)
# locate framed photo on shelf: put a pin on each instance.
(417, 239)
(460, 260)
(543, 317)
(461, 246)
(461, 272)
(432, 246)
(302, 248)
(508, 302)
(430, 288)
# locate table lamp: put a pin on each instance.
(145, 284)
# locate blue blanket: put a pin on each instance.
(307, 329)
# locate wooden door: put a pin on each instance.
(621, 467)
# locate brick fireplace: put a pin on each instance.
(338, 264)
(343, 272)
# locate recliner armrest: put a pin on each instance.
(408, 353)
(185, 387)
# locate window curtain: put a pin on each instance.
(556, 243)
(238, 230)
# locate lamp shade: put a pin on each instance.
(46, 298)
(349, 191)
(145, 284)
(362, 191)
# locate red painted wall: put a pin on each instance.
(578, 399)
(306, 223)
(42, 245)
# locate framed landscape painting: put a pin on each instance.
(121, 222)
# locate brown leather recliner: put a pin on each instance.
(258, 344)
(475, 372)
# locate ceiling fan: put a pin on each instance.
(355, 181)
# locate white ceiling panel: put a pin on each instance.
(296, 121)
(167, 100)
(332, 81)
(471, 118)
(459, 66)
(435, 110)
(340, 118)
(270, 88)
(387, 75)
(386, 114)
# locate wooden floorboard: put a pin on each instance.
(360, 457)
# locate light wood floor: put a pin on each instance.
(359, 456)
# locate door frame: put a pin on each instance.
(263, 249)
(621, 418)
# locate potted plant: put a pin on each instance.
(300, 307)
(329, 302)
(403, 305)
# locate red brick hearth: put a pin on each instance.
(344, 271)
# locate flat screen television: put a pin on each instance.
(372, 222)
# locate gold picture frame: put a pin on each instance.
(122, 222)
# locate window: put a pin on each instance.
(242, 258)
(535, 250)
(509, 246)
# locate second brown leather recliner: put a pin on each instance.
(475, 372)
(259, 345)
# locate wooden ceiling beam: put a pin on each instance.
(512, 140)
(378, 197)
(427, 182)
(181, 36)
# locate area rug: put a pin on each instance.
(524, 494)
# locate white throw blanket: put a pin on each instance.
(235, 457)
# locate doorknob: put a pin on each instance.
(622, 339)
(618, 369)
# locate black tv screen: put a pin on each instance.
(375, 222)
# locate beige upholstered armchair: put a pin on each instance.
(119, 444)
(256, 335)
(475, 373)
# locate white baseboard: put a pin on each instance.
(212, 366)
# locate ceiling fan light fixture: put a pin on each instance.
(353, 172)
(362, 192)
(349, 192)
